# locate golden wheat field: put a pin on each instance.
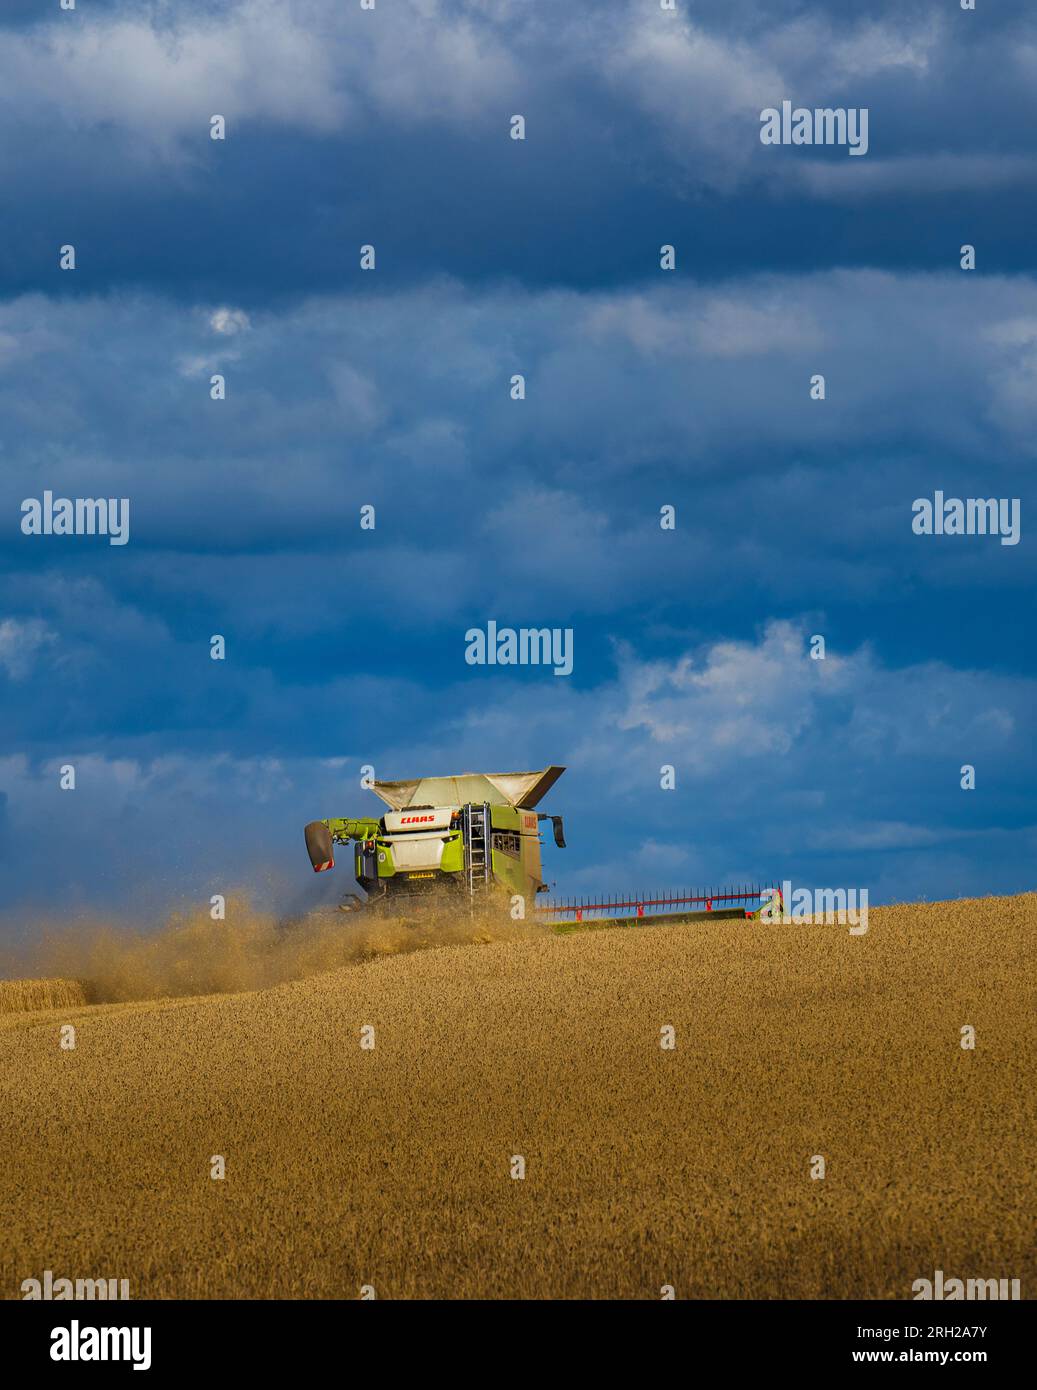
(19, 995)
(392, 1166)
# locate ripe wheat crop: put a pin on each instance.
(394, 1165)
(16, 996)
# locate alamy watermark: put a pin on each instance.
(79, 1343)
(821, 125)
(77, 516)
(939, 1287)
(60, 1289)
(843, 906)
(524, 646)
(968, 516)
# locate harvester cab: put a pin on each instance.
(465, 835)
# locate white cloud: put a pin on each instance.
(155, 78)
(739, 699)
(229, 321)
(706, 92)
(255, 61)
(299, 64)
(714, 324)
(742, 700)
(877, 46)
(705, 88)
(21, 642)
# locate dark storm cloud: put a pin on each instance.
(391, 126)
(495, 257)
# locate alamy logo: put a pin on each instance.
(524, 646)
(77, 1343)
(824, 125)
(844, 906)
(969, 516)
(50, 1288)
(953, 1289)
(77, 516)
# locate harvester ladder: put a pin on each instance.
(476, 826)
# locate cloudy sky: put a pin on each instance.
(644, 388)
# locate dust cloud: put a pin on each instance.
(251, 949)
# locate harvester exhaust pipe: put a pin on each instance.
(318, 846)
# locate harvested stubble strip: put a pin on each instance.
(19, 996)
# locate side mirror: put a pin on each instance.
(318, 846)
(556, 821)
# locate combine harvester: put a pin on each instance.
(474, 839)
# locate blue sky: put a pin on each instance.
(346, 647)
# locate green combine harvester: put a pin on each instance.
(477, 835)
(462, 836)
